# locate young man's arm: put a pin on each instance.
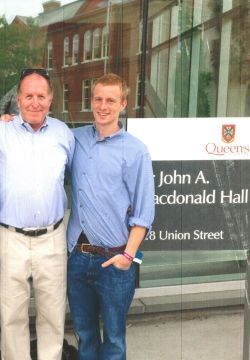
(136, 236)
(140, 182)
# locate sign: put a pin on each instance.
(202, 182)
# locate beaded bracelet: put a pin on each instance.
(127, 256)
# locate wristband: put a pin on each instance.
(138, 257)
(127, 256)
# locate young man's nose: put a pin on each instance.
(103, 103)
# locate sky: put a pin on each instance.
(11, 8)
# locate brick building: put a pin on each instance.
(84, 40)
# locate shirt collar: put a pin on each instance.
(27, 126)
(120, 132)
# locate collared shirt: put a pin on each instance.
(32, 165)
(112, 187)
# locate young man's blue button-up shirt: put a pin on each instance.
(32, 165)
(112, 185)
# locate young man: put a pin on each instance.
(113, 208)
(34, 151)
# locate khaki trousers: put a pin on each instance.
(40, 261)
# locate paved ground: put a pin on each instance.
(188, 335)
(163, 324)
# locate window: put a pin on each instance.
(212, 8)
(86, 95)
(75, 53)
(160, 52)
(140, 37)
(50, 55)
(138, 91)
(161, 28)
(96, 44)
(186, 13)
(159, 75)
(87, 46)
(105, 42)
(65, 97)
(66, 52)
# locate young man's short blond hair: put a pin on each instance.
(112, 79)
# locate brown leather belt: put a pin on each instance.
(98, 250)
(83, 246)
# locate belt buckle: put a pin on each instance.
(35, 232)
(82, 246)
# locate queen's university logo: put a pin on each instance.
(228, 133)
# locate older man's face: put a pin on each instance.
(34, 100)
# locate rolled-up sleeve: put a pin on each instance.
(140, 184)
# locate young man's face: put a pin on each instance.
(34, 99)
(107, 103)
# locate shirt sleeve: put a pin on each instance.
(71, 148)
(140, 184)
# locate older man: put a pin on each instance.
(34, 152)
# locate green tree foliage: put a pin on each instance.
(20, 47)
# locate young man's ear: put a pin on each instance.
(123, 104)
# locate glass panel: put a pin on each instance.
(186, 15)
(183, 77)
(208, 71)
(235, 104)
(211, 8)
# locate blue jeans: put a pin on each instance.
(94, 291)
